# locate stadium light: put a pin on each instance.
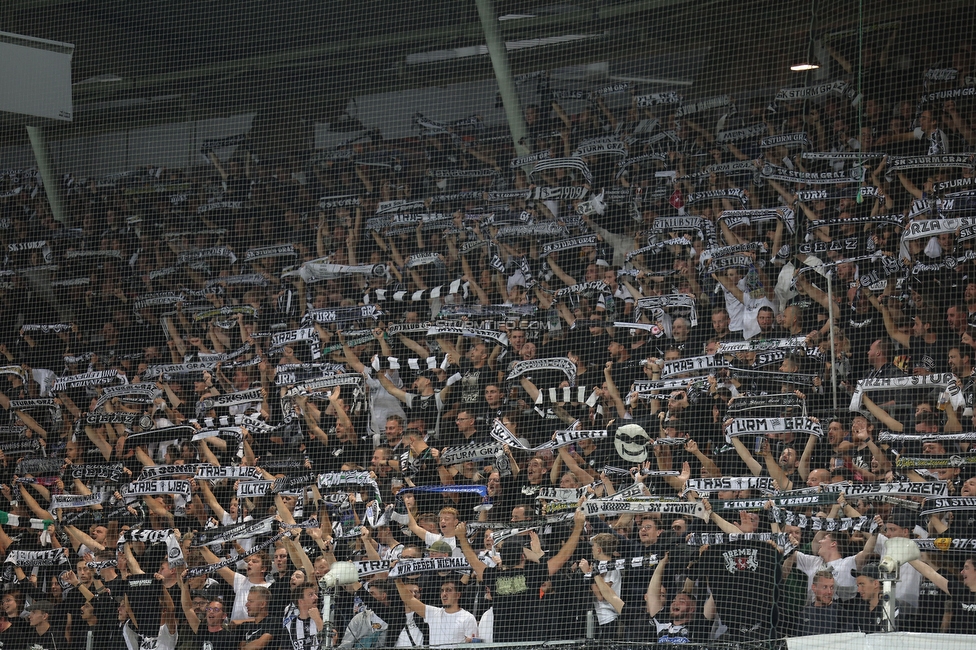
(804, 67)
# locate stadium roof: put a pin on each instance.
(144, 62)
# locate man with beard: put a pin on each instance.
(823, 616)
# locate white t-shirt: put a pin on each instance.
(605, 612)
(164, 640)
(845, 585)
(411, 635)
(241, 588)
(450, 629)
(382, 404)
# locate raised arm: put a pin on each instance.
(653, 596)
(740, 448)
(461, 534)
(187, 604)
(226, 572)
(398, 393)
(606, 591)
(929, 573)
(803, 467)
(882, 415)
(773, 467)
(412, 603)
(569, 546)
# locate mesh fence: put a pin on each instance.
(593, 324)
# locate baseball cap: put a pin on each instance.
(870, 570)
(41, 606)
(440, 546)
(903, 519)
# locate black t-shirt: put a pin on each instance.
(204, 639)
(515, 600)
(473, 383)
(933, 356)
(425, 407)
(31, 640)
(252, 631)
(13, 635)
(564, 608)
(733, 570)
(648, 629)
(963, 608)
(859, 617)
(821, 620)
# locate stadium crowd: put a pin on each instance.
(584, 391)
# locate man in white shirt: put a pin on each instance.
(449, 625)
(826, 548)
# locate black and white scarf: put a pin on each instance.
(720, 101)
(743, 403)
(601, 146)
(790, 343)
(231, 399)
(159, 471)
(576, 164)
(900, 488)
(449, 330)
(955, 184)
(264, 252)
(462, 173)
(343, 201)
(319, 271)
(772, 172)
(712, 195)
(792, 140)
(567, 244)
(87, 379)
(734, 218)
(602, 507)
(221, 252)
(842, 88)
(112, 472)
(729, 483)
(787, 518)
(157, 488)
(191, 368)
(225, 312)
(899, 164)
(131, 393)
(759, 426)
(406, 567)
(74, 501)
(675, 300)
(144, 536)
(157, 299)
(922, 229)
(522, 161)
(193, 572)
(474, 451)
(53, 328)
(693, 364)
(847, 245)
(750, 133)
(898, 383)
(380, 295)
(562, 364)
